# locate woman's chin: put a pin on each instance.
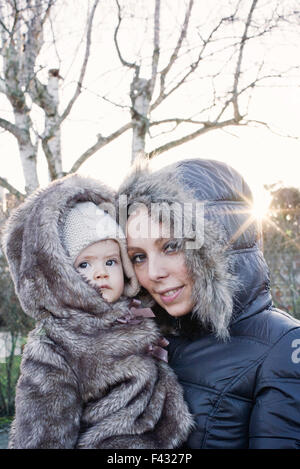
(178, 308)
(176, 311)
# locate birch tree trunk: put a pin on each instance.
(140, 105)
(21, 37)
(28, 151)
(22, 121)
(51, 139)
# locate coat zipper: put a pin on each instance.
(177, 325)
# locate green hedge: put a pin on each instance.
(9, 373)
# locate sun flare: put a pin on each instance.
(261, 204)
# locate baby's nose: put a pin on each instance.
(100, 272)
(103, 275)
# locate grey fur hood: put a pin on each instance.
(43, 273)
(214, 284)
(87, 377)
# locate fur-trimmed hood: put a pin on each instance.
(207, 262)
(230, 272)
(43, 273)
(88, 379)
(228, 201)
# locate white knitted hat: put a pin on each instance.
(85, 224)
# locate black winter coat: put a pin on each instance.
(243, 392)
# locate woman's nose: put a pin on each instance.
(156, 269)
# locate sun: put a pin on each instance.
(261, 204)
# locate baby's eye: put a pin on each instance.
(83, 265)
(111, 262)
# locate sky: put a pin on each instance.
(262, 156)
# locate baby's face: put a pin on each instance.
(100, 263)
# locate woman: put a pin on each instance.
(236, 356)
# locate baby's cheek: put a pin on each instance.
(86, 275)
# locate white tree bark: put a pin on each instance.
(22, 124)
(21, 43)
(140, 99)
(51, 136)
(28, 152)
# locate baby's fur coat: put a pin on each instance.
(86, 379)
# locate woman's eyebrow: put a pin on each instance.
(157, 241)
(133, 248)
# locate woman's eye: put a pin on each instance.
(171, 246)
(138, 258)
(83, 265)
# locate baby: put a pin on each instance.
(87, 378)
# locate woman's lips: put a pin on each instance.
(170, 295)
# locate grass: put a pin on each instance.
(5, 421)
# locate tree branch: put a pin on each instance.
(177, 121)
(207, 127)
(174, 56)
(50, 158)
(12, 128)
(122, 60)
(40, 96)
(2, 86)
(84, 65)
(4, 27)
(31, 49)
(47, 11)
(239, 62)
(11, 189)
(265, 124)
(156, 48)
(163, 94)
(102, 141)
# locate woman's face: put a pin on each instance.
(159, 265)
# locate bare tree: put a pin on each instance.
(198, 48)
(22, 25)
